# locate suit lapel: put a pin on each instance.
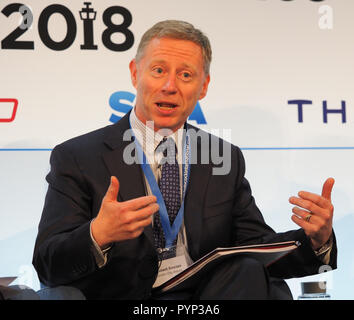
(195, 202)
(130, 176)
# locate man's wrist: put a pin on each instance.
(324, 248)
(102, 244)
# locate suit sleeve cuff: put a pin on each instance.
(99, 254)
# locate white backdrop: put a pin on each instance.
(266, 53)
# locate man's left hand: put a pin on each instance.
(314, 214)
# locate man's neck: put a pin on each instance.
(149, 138)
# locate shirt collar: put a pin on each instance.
(150, 139)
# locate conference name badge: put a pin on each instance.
(169, 268)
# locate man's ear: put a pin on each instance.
(205, 87)
(133, 72)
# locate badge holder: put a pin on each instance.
(172, 261)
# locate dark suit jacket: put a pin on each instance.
(219, 212)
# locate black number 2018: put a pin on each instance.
(11, 42)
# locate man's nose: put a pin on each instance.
(169, 86)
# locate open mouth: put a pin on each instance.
(165, 105)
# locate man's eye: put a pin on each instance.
(186, 75)
(158, 70)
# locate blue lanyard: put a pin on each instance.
(170, 232)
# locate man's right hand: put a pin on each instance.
(118, 221)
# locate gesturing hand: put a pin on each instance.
(118, 221)
(316, 214)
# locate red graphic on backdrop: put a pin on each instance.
(14, 109)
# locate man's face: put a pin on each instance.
(169, 80)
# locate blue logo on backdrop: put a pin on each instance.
(122, 102)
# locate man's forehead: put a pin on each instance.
(172, 41)
(164, 47)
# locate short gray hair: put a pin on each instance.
(181, 30)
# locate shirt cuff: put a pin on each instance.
(99, 254)
(324, 253)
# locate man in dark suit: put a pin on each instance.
(102, 217)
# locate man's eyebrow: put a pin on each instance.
(158, 62)
(186, 65)
(161, 61)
